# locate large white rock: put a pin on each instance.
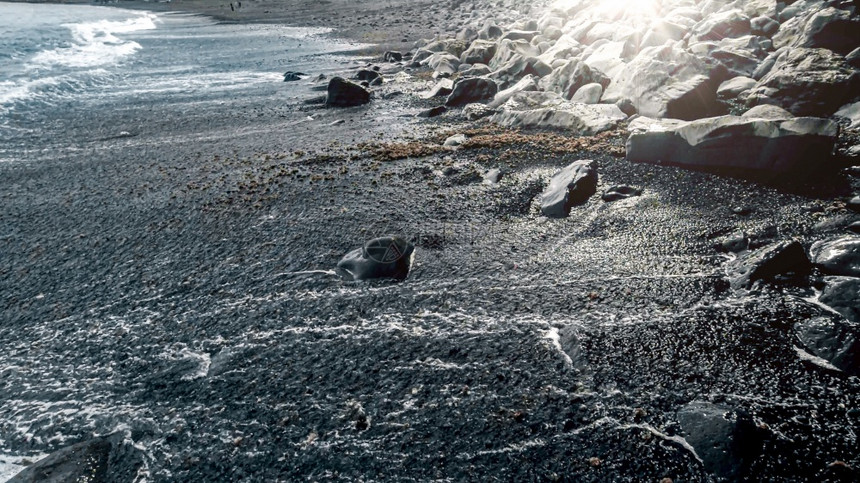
(667, 81)
(540, 110)
(588, 94)
(570, 76)
(777, 145)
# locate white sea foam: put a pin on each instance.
(95, 43)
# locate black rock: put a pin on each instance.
(725, 440)
(343, 93)
(833, 340)
(854, 227)
(854, 204)
(433, 111)
(367, 75)
(293, 76)
(471, 90)
(384, 257)
(375, 82)
(620, 192)
(779, 258)
(392, 56)
(100, 459)
(572, 185)
(838, 256)
(842, 294)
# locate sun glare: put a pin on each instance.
(614, 9)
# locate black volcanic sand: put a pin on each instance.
(175, 289)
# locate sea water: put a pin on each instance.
(73, 74)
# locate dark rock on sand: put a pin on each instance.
(725, 440)
(571, 186)
(384, 257)
(807, 82)
(467, 91)
(780, 258)
(433, 111)
(96, 460)
(839, 256)
(343, 93)
(293, 76)
(392, 56)
(833, 340)
(798, 144)
(367, 75)
(620, 192)
(842, 294)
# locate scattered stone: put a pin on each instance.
(392, 56)
(571, 186)
(734, 243)
(293, 76)
(367, 75)
(455, 141)
(493, 176)
(838, 256)
(384, 257)
(797, 144)
(725, 440)
(842, 294)
(441, 89)
(780, 258)
(467, 91)
(620, 192)
(833, 340)
(477, 111)
(343, 93)
(433, 112)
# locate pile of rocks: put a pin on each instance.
(586, 65)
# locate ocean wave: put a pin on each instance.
(95, 43)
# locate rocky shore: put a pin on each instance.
(586, 241)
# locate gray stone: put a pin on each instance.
(668, 81)
(725, 440)
(508, 49)
(828, 28)
(838, 256)
(767, 111)
(517, 68)
(807, 82)
(795, 144)
(620, 192)
(765, 26)
(731, 23)
(526, 35)
(527, 83)
(732, 87)
(477, 111)
(588, 94)
(343, 93)
(442, 88)
(571, 186)
(493, 176)
(832, 339)
(545, 111)
(569, 77)
(780, 258)
(455, 141)
(471, 90)
(852, 113)
(842, 294)
(480, 52)
(384, 257)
